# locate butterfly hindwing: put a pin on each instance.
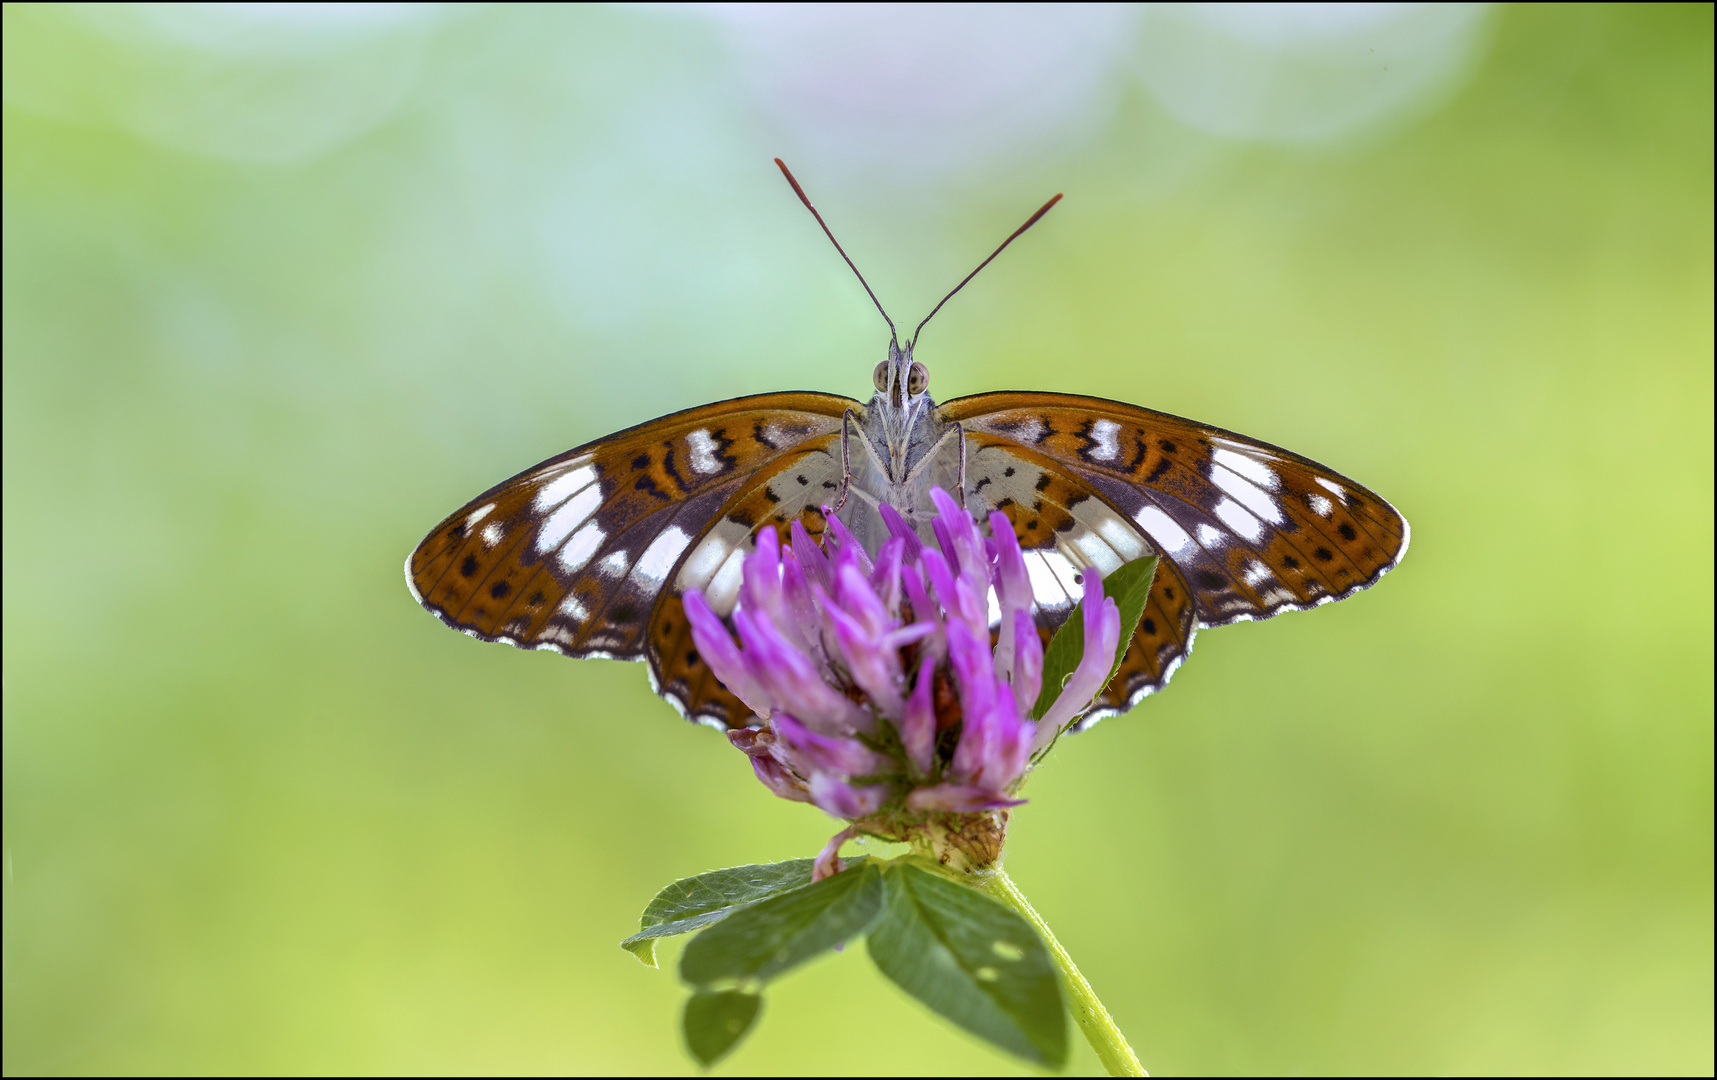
(1064, 526)
(793, 487)
(572, 554)
(1162, 640)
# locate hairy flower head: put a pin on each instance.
(897, 692)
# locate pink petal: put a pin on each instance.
(958, 799)
(717, 649)
(1028, 661)
(829, 862)
(918, 722)
(837, 798)
(1102, 635)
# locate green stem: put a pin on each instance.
(1094, 1020)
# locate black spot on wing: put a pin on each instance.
(670, 468)
(728, 461)
(1086, 442)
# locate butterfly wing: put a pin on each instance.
(589, 552)
(794, 486)
(573, 554)
(1246, 530)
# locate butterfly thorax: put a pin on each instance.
(895, 458)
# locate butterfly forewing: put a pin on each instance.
(1245, 529)
(1253, 528)
(572, 554)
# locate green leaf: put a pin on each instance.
(715, 1021)
(695, 902)
(972, 959)
(1130, 587)
(761, 940)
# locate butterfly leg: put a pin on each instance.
(847, 486)
(846, 463)
(875, 503)
(960, 435)
(953, 431)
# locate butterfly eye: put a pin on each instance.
(918, 380)
(880, 376)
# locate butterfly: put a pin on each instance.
(589, 553)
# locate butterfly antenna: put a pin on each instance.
(799, 191)
(1042, 210)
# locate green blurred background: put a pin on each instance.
(284, 285)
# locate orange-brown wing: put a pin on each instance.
(1064, 526)
(1246, 530)
(795, 486)
(572, 554)
(1162, 641)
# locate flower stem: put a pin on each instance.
(1094, 1020)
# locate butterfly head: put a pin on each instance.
(901, 382)
(902, 398)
